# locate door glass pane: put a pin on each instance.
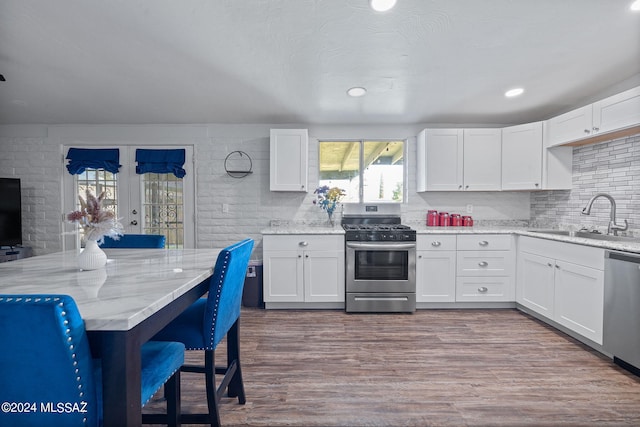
(340, 167)
(383, 174)
(97, 181)
(163, 207)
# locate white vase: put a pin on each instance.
(91, 257)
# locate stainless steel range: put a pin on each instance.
(380, 264)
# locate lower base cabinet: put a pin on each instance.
(303, 268)
(563, 282)
(435, 268)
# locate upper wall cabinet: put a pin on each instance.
(597, 122)
(617, 112)
(458, 160)
(482, 153)
(570, 126)
(522, 157)
(439, 162)
(289, 158)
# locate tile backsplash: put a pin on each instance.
(611, 167)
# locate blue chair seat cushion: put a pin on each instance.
(188, 327)
(158, 359)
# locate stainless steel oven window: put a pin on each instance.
(381, 265)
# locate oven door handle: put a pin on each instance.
(381, 246)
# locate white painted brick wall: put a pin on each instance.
(611, 167)
(38, 162)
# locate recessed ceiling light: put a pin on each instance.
(514, 92)
(382, 5)
(356, 91)
(635, 6)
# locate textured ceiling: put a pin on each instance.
(291, 61)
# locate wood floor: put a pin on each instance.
(430, 368)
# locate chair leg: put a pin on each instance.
(172, 394)
(210, 379)
(236, 386)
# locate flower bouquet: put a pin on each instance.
(328, 199)
(97, 223)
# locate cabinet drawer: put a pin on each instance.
(484, 263)
(308, 242)
(436, 242)
(484, 289)
(484, 242)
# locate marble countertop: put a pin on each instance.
(625, 246)
(135, 283)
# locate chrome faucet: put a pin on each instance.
(613, 227)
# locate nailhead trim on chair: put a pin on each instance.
(218, 293)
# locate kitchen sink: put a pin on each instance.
(589, 235)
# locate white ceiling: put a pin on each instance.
(291, 61)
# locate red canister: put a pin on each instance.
(467, 221)
(432, 218)
(443, 219)
(456, 220)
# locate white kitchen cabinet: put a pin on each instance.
(458, 159)
(485, 268)
(563, 282)
(522, 157)
(579, 299)
(535, 283)
(303, 268)
(440, 160)
(435, 268)
(482, 165)
(617, 112)
(570, 126)
(612, 114)
(283, 275)
(288, 159)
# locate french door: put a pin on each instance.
(149, 203)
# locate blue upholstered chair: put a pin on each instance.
(207, 321)
(130, 241)
(45, 360)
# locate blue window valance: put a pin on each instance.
(161, 161)
(95, 158)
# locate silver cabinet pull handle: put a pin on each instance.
(483, 243)
(483, 263)
(549, 264)
(304, 243)
(587, 131)
(557, 266)
(436, 243)
(483, 289)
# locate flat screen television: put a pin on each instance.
(10, 212)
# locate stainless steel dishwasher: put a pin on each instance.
(621, 335)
